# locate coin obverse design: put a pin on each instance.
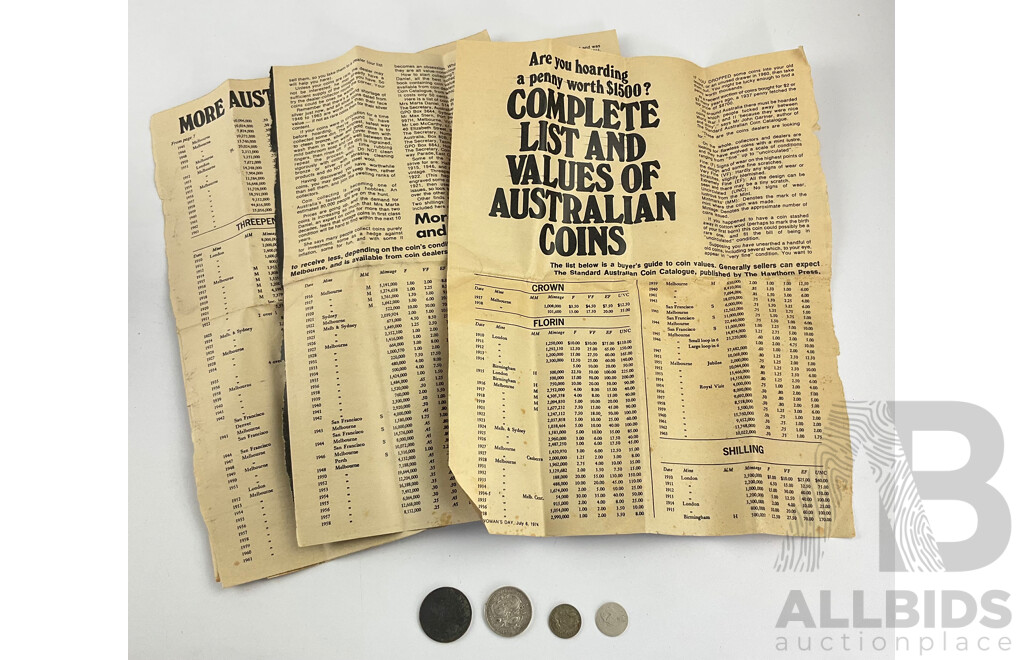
(508, 611)
(611, 619)
(565, 621)
(445, 614)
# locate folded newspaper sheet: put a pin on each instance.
(215, 174)
(640, 321)
(363, 148)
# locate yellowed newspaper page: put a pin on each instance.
(215, 174)
(639, 289)
(607, 41)
(363, 144)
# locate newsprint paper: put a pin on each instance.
(215, 174)
(640, 322)
(363, 147)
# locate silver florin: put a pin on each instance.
(508, 611)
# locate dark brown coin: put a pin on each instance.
(445, 614)
(565, 621)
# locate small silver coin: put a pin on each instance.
(611, 619)
(508, 611)
(565, 621)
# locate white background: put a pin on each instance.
(680, 593)
(91, 508)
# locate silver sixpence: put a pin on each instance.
(611, 619)
(565, 621)
(508, 611)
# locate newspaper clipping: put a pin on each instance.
(363, 143)
(215, 175)
(639, 290)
